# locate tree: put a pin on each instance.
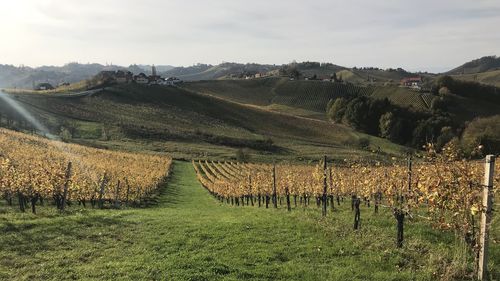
(355, 113)
(337, 109)
(428, 130)
(444, 91)
(390, 127)
(334, 77)
(446, 136)
(65, 134)
(376, 108)
(483, 131)
(294, 73)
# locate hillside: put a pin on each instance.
(483, 64)
(303, 98)
(134, 117)
(491, 77)
(311, 96)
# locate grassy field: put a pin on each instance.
(185, 234)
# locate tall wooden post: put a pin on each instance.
(489, 168)
(275, 198)
(66, 186)
(409, 174)
(117, 195)
(128, 192)
(324, 187)
(101, 191)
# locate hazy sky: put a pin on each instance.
(417, 35)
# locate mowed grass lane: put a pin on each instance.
(188, 235)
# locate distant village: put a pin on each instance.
(123, 77)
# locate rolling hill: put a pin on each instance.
(189, 125)
(310, 96)
(483, 64)
(485, 70)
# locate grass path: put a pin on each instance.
(188, 235)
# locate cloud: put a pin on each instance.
(413, 34)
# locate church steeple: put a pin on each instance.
(153, 69)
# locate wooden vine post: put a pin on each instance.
(275, 199)
(399, 212)
(66, 185)
(101, 191)
(486, 215)
(117, 195)
(128, 192)
(324, 188)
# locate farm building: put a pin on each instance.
(122, 77)
(412, 82)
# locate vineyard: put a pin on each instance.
(34, 170)
(404, 97)
(440, 189)
(314, 95)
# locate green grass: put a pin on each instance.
(187, 235)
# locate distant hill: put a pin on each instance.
(483, 64)
(307, 69)
(223, 70)
(25, 77)
(160, 68)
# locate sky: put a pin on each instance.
(426, 35)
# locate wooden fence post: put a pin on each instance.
(489, 168)
(324, 187)
(66, 185)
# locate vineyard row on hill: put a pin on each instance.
(33, 170)
(314, 95)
